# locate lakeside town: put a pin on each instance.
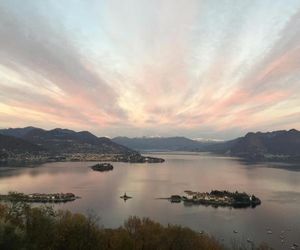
(43, 158)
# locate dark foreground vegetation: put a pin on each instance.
(26, 227)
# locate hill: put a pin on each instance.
(67, 141)
(277, 145)
(67, 145)
(11, 146)
(16, 132)
(282, 145)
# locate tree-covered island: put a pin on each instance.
(217, 198)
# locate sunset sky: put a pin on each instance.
(201, 69)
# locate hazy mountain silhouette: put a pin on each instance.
(162, 143)
(277, 145)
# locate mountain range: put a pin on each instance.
(277, 145)
(162, 143)
(280, 145)
(57, 141)
(65, 140)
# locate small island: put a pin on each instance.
(38, 198)
(102, 167)
(217, 198)
(138, 158)
(125, 197)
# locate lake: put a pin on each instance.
(278, 186)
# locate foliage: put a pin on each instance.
(29, 228)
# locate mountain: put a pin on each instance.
(270, 146)
(11, 146)
(67, 141)
(280, 145)
(275, 145)
(16, 132)
(162, 143)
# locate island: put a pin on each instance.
(38, 197)
(217, 198)
(125, 197)
(102, 167)
(138, 158)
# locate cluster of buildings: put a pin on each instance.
(221, 198)
(52, 197)
(207, 197)
(38, 197)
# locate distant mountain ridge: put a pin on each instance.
(275, 145)
(14, 144)
(10, 146)
(16, 132)
(162, 143)
(65, 141)
(280, 145)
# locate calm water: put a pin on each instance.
(278, 188)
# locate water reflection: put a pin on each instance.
(277, 187)
(280, 165)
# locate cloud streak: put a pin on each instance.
(196, 68)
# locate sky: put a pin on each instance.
(197, 68)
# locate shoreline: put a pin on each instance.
(81, 157)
